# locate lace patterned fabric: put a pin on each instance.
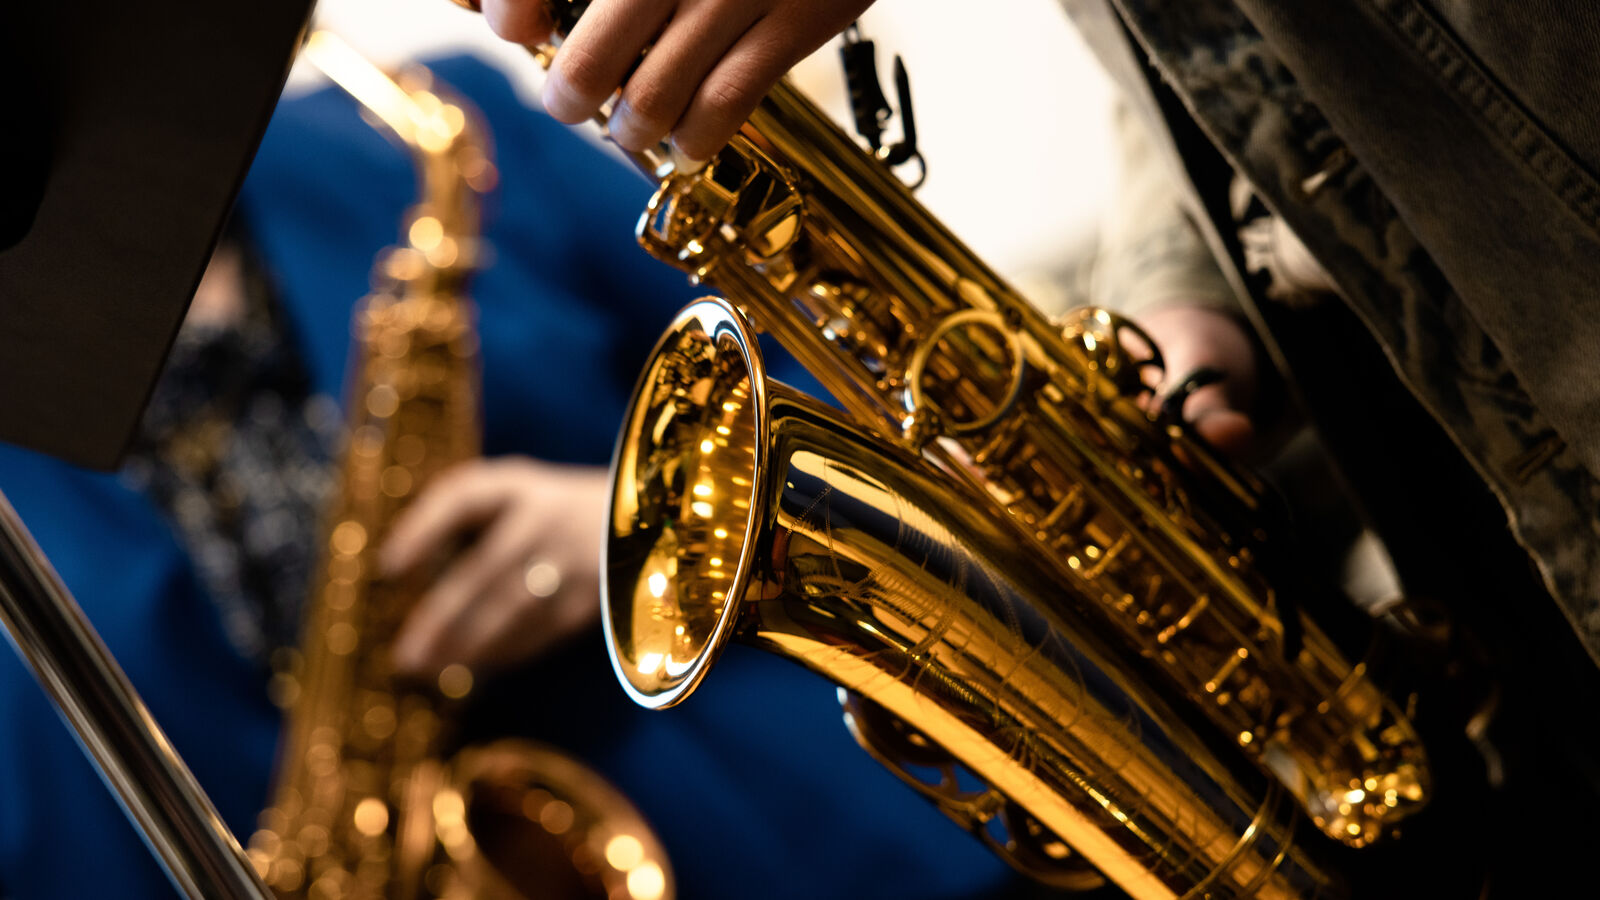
(236, 451)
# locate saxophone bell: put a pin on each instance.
(743, 510)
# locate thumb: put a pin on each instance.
(518, 21)
(1202, 399)
(1226, 429)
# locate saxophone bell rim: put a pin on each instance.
(649, 672)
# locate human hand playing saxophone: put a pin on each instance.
(710, 61)
(527, 577)
(1193, 338)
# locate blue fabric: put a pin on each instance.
(753, 782)
(61, 834)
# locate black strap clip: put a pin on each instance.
(871, 108)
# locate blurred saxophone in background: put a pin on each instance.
(367, 805)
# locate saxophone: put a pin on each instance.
(1011, 567)
(366, 804)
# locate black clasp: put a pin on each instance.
(871, 108)
(1172, 404)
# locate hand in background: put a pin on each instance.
(710, 61)
(1192, 338)
(528, 579)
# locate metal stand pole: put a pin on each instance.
(138, 764)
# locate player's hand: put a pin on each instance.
(525, 571)
(710, 61)
(1192, 338)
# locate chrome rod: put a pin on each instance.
(137, 762)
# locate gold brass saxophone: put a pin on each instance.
(366, 804)
(1014, 565)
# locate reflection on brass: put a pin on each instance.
(744, 510)
(1105, 669)
(1152, 543)
(367, 803)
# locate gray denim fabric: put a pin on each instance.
(1151, 255)
(1438, 161)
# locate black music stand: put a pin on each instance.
(130, 127)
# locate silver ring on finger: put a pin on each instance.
(542, 578)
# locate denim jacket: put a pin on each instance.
(1437, 159)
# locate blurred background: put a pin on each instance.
(1011, 108)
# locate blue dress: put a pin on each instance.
(753, 783)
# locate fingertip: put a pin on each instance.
(717, 112)
(725, 101)
(391, 556)
(694, 145)
(685, 163)
(398, 552)
(1227, 430)
(518, 21)
(410, 655)
(563, 103)
(631, 131)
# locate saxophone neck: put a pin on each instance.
(449, 146)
